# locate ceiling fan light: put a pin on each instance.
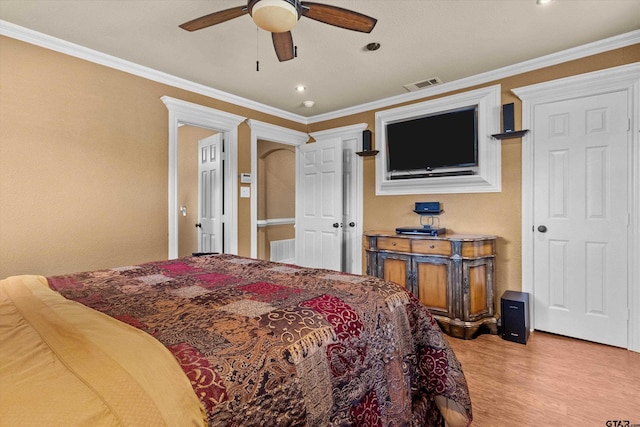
(276, 16)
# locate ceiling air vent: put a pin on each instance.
(411, 87)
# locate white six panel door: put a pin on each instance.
(581, 218)
(210, 194)
(319, 205)
(350, 242)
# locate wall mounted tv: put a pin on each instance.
(444, 140)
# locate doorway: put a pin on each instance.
(344, 232)
(276, 201)
(349, 137)
(185, 113)
(580, 244)
(265, 133)
(188, 181)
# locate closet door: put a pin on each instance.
(319, 205)
(581, 217)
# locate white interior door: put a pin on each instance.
(581, 217)
(319, 205)
(210, 201)
(351, 244)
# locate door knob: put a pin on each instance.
(542, 228)
(352, 224)
(336, 225)
(198, 225)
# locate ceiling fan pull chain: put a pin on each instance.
(257, 49)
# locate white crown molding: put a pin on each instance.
(622, 40)
(39, 39)
(271, 132)
(24, 34)
(339, 132)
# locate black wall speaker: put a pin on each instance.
(366, 140)
(507, 118)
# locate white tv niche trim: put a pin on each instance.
(487, 175)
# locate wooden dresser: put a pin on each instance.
(452, 274)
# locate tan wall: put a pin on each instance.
(83, 163)
(276, 180)
(83, 166)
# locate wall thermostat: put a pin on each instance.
(245, 178)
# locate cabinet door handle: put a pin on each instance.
(432, 246)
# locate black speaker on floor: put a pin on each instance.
(514, 314)
(507, 118)
(366, 140)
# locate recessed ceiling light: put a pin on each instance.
(308, 104)
(300, 88)
(373, 46)
(542, 2)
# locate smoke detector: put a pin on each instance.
(412, 87)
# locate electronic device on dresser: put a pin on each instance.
(429, 210)
(425, 230)
(514, 312)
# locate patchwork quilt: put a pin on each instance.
(265, 343)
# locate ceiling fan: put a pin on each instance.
(280, 16)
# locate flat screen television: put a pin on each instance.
(442, 140)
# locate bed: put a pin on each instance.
(225, 341)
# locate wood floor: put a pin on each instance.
(550, 381)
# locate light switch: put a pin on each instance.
(245, 192)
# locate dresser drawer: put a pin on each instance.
(477, 249)
(431, 247)
(394, 244)
(365, 243)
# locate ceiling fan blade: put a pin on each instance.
(283, 44)
(338, 17)
(214, 18)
